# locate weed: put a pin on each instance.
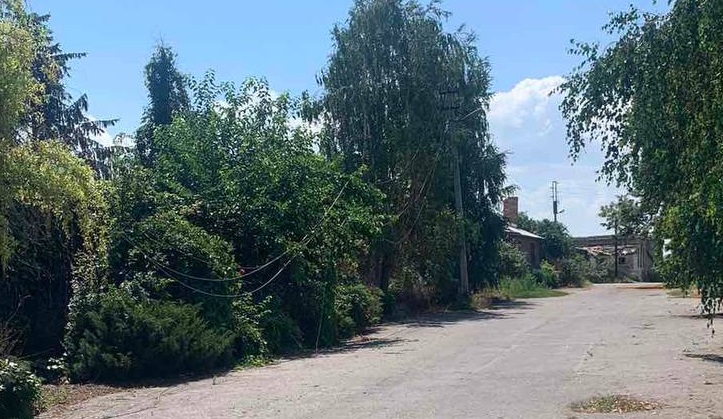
(613, 404)
(525, 287)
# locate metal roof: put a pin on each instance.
(521, 232)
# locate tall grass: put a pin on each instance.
(525, 287)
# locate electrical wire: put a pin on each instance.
(239, 295)
(303, 242)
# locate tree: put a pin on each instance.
(52, 114)
(400, 95)
(17, 88)
(167, 95)
(238, 207)
(52, 234)
(653, 100)
(557, 243)
(626, 217)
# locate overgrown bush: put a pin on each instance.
(117, 337)
(19, 390)
(547, 275)
(602, 270)
(574, 271)
(280, 332)
(525, 287)
(58, 235)
(512, 262)
(357, 307)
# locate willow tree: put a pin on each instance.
(654, 100)
(400, 94)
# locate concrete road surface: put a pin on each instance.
(531, 359)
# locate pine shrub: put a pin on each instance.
(117, 338)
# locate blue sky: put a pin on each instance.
(288, 42)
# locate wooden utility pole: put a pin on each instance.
(463, 274)
(459, 206)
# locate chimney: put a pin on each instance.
(509, 209)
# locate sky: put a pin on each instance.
(288, 42)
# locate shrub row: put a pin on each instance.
(117, 336)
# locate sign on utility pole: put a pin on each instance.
(555, 201)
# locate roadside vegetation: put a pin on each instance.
(652, 100)
(238, 223)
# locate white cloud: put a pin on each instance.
(527, 102)
(526, 121)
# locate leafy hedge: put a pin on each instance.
(19, 390)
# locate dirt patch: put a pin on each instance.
(645, 286)
(57, 397)
(681, 293)
(613, 404)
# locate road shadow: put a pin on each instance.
(358, 343)
(699, 316)
(517, 304)
(451, 317)
(707, 357)
(499, 310)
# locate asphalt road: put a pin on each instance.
(530, 359)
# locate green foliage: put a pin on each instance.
(233, 188)
(557, 243)
(17, 86)
(58, 240)
(118, 337)
(512, 262)
(602, 270)
(654, 100)
(50, 113)
(525, 287)
(281, 333)
(167, 94)
(384, 108)
(19, 390)
(226, 233)
(52, 215)
(574, 271)
(547, 275)
(626, 217)
(357, 307)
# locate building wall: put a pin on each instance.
(530, 247)
(638, 265)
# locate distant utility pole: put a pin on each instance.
(555, 201)
(615, 237)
